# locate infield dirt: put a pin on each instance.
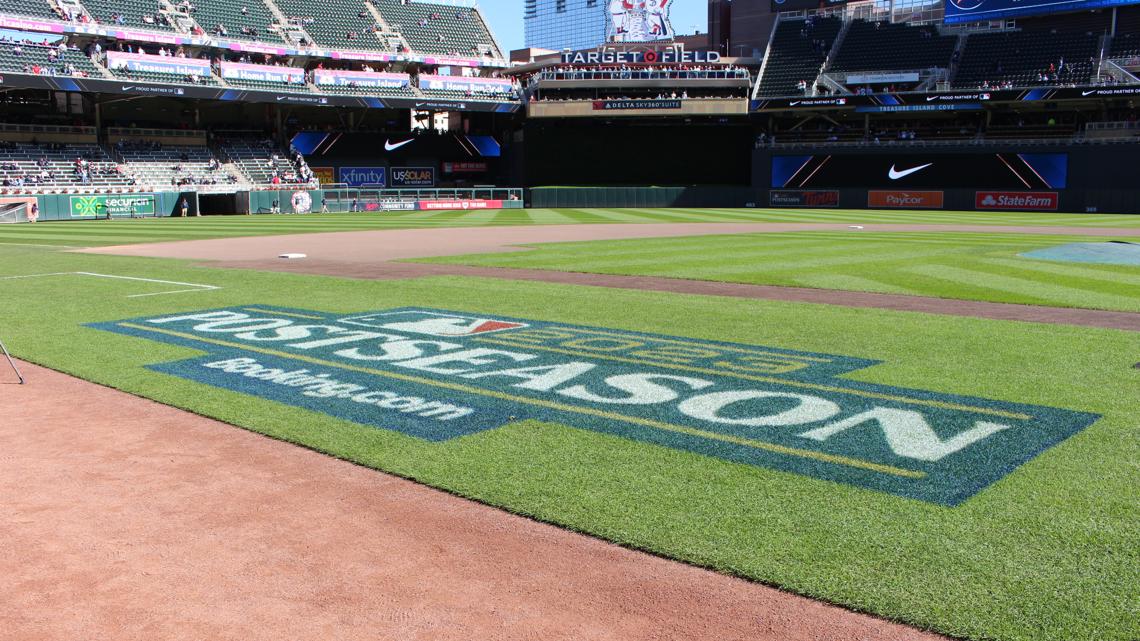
(127, 519)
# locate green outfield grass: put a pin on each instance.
(113, 232)
(1048, 553)
(983, 267)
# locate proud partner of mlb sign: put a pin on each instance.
(439, 375)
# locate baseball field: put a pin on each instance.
(895, 412)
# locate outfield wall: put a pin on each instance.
(303, 201)
(98, 206)
(1065, 178)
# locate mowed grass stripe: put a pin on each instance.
(1046, 292)
(878, 262)
(1088, 271)
(847, 282)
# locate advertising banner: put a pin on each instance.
(921, 171)
(436, 205)
(464, 167)
(621, 105)
(114, 205)
(790, 198)
(263, 73)
(905, 199)
(975, 10)
(357, 176)
(157, 64)
(877, 78)
(413, 177)
(804, 5)
(326, 175)
(362, 79)
(461, 83)
(1017, 200)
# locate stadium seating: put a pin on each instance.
(1021, 57)
(1126, 43)
(333, 21)
(267, 85)
(797, 53)
(255, 158)
(438, 28)
(42, 56)
(881, 46)
(346, 90)
(55, 166)
(131, 12)
(170, 166)
(35, 8)
(229, 13)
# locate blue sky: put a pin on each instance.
(505, 17)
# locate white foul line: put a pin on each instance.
(2, 244)
(194, 287)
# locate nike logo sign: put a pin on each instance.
(894, 174)
(793, 103)
(929, 98)
(128, 88)
(1088, 93)
(388, 146)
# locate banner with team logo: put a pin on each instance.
(437, 205)
(638, 20)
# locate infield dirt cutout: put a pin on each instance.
(153, 523)
(373, 255)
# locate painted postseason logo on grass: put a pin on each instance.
(439, 375)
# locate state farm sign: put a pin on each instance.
(1041, 201)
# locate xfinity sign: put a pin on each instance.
(437, 375)
(357, 176)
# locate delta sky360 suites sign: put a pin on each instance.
(439, 375)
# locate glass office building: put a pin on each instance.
(564, 24)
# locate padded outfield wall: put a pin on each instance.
(100, 206)
(1067, 178)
